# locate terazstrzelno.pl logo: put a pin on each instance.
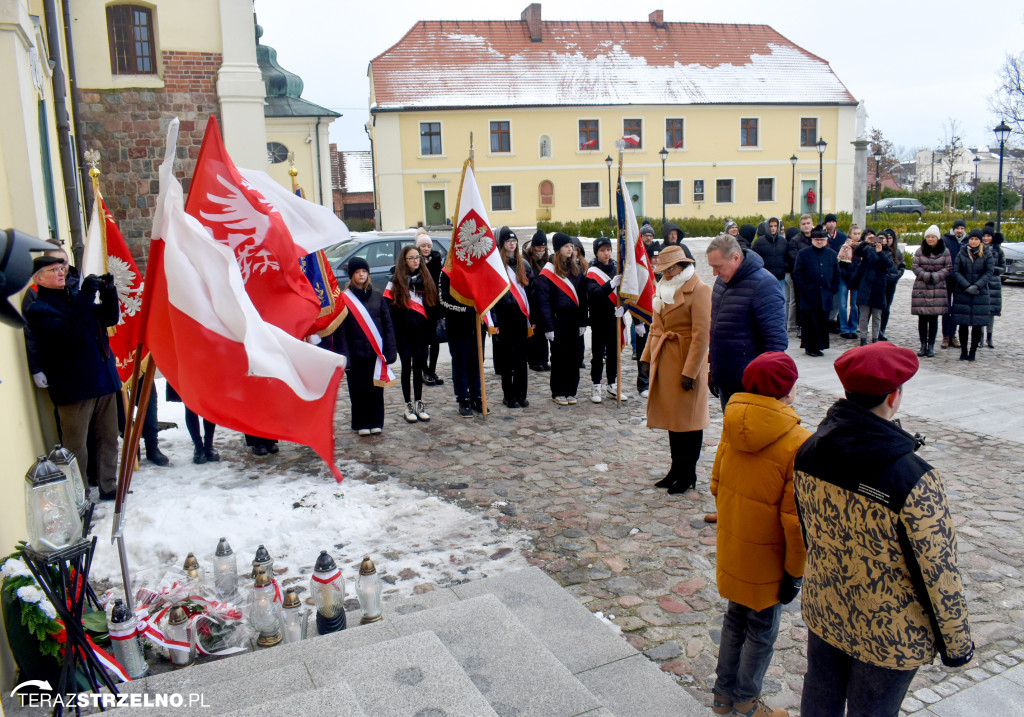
(39, 693)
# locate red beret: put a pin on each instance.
(877, 369)
(770, 374)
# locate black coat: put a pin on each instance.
(412, 329)
(349, 339)
(870, 279)
(972, 269)
(459, 319)
(773, 249)
(70, 331)
(602, 310)
(995, 284)
(72, 280)
(508, 317)
(816, 278)
(796, 245)
(556, 311)
(953, 247)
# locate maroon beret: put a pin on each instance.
(770, 374)
(877, 369)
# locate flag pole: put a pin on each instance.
(479, 316)
(620, 145)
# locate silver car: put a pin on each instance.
(1014, 252)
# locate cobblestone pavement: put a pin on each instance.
(579, 480)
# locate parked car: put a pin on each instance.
(379, 251)
(1014, 252)
(898, 205)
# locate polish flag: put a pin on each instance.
(632, 140)
(239, 216)
(637, 289)
(589, 144)
(474, 265)
(223, 359)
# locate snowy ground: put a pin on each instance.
(415, 539)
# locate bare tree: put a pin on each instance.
(951, 149)
(1008, 101)
(889, 161)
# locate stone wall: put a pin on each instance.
(129, 128)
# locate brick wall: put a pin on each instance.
(129, 128)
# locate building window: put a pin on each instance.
(588, 135)
(132, 45)
(276, 153)
(723, 191)
(674, 133)
(544, 149)
(808, 131)
(430, 138)
(590, 194)
(501, 198)
(766, 189)
(673, 193)
(748, 132)
(501, 137)
(698, 190)
(633, 128)
(547, 194)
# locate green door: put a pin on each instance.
(433, 201)
(636, 194)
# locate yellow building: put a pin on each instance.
(546, 102)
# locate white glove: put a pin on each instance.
(616, 280)
(641, 330)
(549, 335)
(583, 330)
(40, 380)
(313, 339)
(620, 311)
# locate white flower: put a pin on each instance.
(15, 568)
(30, 593)
(47, 609)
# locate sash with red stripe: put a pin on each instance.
(382, 375)
(601, 278)
(562, 283)
(518, 292)
(415, 300)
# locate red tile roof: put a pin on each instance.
(494, 64)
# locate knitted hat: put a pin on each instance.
(830, 218)
(932, 231)
(959, 223)
(356, 263)
(974, 233)
(600, 242)
(729, 223)
(770, 374)
(646, 229)
(539, 238)
(877, 369)
(558, 240)
(505, 233)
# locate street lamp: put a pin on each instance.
(608, 162)
(1002, 133)
(821, 174)
(792, 194)
(664, 155)
(974, 210)
(878, 185)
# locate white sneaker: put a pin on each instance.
(596, 395)
(560, 400)
(571, 400)
(611, 391)
(374, 431)
(364, 431)
(410, 413)
(643, 394)
(421, 411)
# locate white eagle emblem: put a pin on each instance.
(124, 277)
(247, 228)
(473, 243)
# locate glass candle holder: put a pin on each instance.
(51, 510)
(122, 626)
(369, 588)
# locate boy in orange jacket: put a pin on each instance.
(760, 548)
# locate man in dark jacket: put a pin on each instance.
(882, 590)
(602, 280)
(672, 233)
(800, 240)
(748, 314)
(78, 367)
(460, 322)
(772, 248)
(953, 241)
(836, 239)
(816, 277)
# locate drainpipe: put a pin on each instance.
(319, 174)
(60, 110)
(83, 173)
(373, 176)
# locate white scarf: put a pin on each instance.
(665, 293)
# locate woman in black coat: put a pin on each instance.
(431, 259)
(365, 385)
(870, 280)
(512, 320)
(562, 314)
(973, 268)
(816, 277)
(892, 277)
(413, 300)
(992, 241)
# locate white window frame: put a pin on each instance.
(739, 134)
(733, 192)
(551, 147)
(680, 183)
(600, 195)
(693, 190)
(676, 149)
(419, 140)
(757, 190)
(511, 197)
(590, 118)
(511, 145)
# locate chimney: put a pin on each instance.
(657, 18)
(531, 16)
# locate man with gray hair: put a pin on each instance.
(748, 314)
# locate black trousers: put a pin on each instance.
(948, 325)
(367, 399)
(815, 329)
(465, 367)
(604, 348)
(565, 362)
(685, 447)
(890, 292)
(975, 338)
(927, 328)
(435, 350)
(642, 382)
(512, 349)
(414, 365)
(192, 424)
(537, 349)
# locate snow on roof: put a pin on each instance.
(357, 172)
(494, 64)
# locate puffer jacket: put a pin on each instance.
(931, 268)
(772, 249)
(752, 481)
(972, 269)
(995, 284)
(748, 318)
(881, 581)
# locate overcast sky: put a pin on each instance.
(915, 67)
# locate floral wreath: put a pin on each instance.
(37, 613)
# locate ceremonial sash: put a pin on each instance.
(601, 278)
(382, 375)
(518, 292)
(564, 284)
(415, 300)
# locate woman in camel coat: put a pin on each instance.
(677, 352)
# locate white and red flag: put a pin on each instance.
(107, 253)
(239, 216)
(474, 265)
(637, 289)
(227, 363)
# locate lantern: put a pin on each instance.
(327, 586)
(68, 464)
(181, 645)
(225, 571)
(193, 572)
(50, 508)
(123, 630)
(294, 618)
(264, 611)
(368, 588)
(262, 560)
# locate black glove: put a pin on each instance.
(789, 587)
(713, 387)
(687, 383)
(108, 280)
(91, 284)
(973, 290)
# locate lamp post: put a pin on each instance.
(608, 162)
(821, 174)
(878, 185)
(664, 155)
(792, 195)
(1002, 132)
(974, 210)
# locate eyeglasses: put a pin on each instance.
(57, 269)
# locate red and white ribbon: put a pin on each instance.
(518, 292)
(382, 374)
(415, 300)
(601, 278)
(561, 282)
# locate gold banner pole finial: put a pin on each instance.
(292, 171)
